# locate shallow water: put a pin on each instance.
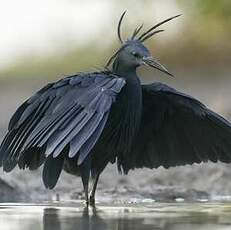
(133, 216)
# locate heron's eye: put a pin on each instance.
(135, 54)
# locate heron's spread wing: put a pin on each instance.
(176, 129)
(63, 118)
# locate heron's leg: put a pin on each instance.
(92, 194)
(85, 180)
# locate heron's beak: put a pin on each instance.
(152, 62)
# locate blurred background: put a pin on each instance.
(42, 41)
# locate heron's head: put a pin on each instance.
(133, 53)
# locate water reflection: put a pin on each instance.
(133, 217)
(86, 219)
(54, 219)
(51, 219)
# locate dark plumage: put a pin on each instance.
(84, 121)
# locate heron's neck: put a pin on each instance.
(129, 107)
(123, 70)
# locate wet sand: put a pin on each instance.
(126, 216)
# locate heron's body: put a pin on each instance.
(83, 122)
(120, 130)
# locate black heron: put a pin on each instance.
(83, 122)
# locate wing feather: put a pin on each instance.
(64, 119)
(177, 129)
(81, 137)
(91, 141)
(58, 141)
(47, 126)
(52, 170)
